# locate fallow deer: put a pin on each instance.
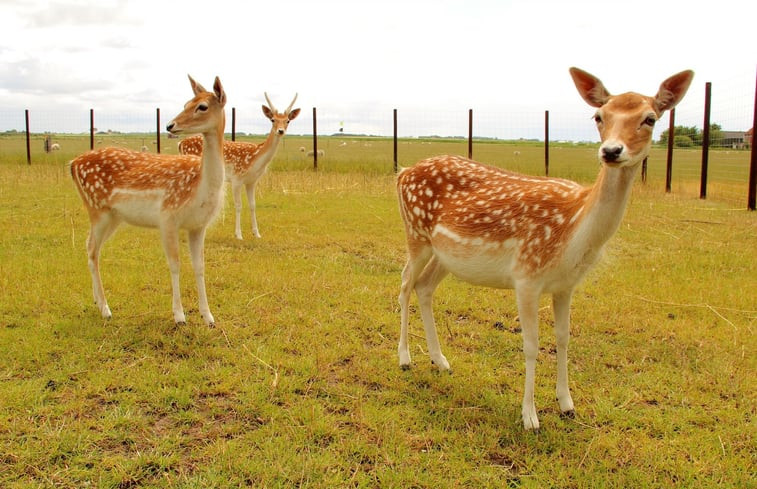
(495, 228)
(246, 163)
(167, 192)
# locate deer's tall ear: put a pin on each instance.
(590, 87)
(196, 87)
(293, 114)
(267, 111)
(672, 90)
(219, 92)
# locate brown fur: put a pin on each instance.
(100, 174)
(490, 205)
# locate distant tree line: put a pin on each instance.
(686, 137)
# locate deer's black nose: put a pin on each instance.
(170, 126)
(611, 153)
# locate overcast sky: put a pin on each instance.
(356, 60)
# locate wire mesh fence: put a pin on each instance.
(54, 135)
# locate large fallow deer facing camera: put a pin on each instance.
(167, 192)
(495, 228)
(246, 162)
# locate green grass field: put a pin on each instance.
(299, 385)
(728, 172)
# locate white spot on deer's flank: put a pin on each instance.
(445, 231)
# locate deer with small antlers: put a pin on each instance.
(495, 228)
(167, 192)
(246, 163)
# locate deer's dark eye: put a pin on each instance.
(650, 121)
(597, 118)
(202, 107)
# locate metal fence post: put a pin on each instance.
(705, 140)
(91, 129)
(395, 140)
(669, 165)
(546, 142)
(157, 123)
(233, 123)
(752, 197)
(470, 134)
(315, 141)
(28, 143)
(644, 170)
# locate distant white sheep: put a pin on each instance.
(320, 153)
(54, 147)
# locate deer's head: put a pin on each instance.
(202, 112)
(280, 120)
(626, 121)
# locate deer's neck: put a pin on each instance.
(212, 160)
(604, 208)
(268, 148)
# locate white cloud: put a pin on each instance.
(80, 13)
(361, 59)
(37, 77)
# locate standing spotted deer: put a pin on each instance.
(159, 191)
(246, 163)
(536, 235)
